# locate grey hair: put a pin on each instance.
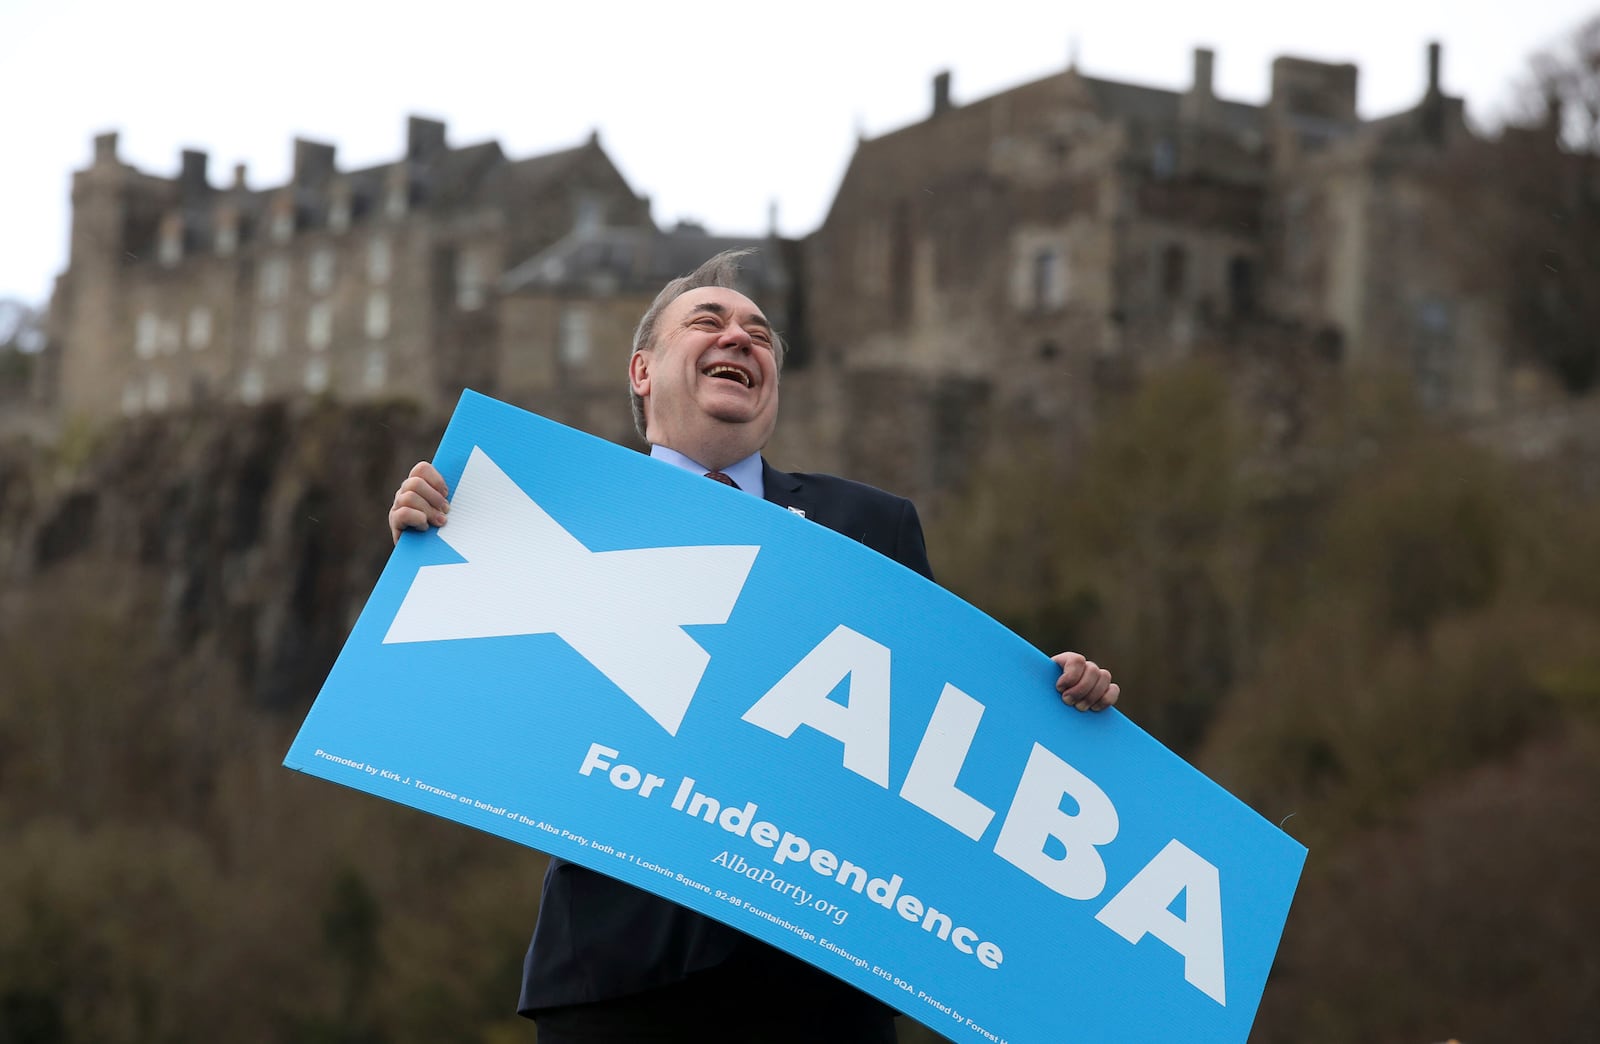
(721, 270)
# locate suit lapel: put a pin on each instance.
(784, 489)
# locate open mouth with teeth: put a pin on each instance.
(723, 371)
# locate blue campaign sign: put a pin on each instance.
(702, 694)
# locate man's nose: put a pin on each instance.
(735, 336)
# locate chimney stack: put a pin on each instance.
(941, 92)
(424, 138)
(239, 170)
(192, 180)
(1205, 60)
(105, 148)
(1433, 68)
(313, 162)
(1198, 106)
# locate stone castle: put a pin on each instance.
(1001, 257)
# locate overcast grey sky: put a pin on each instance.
(714, 109)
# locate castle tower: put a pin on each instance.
(88, 296)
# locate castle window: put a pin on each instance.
(250, 386)
(1433, 330)
(146, 331)
(589, 217)
(1049, 280)
(377, 324)
(900, 261)
(169, 250)
(319, 326)
(282, 227)
(227, 240)
(872, 257)
(573, 337)
(396, 199)
(1173, 264)
(317, 374)
(319, 274)
(155, 391)
(378, 260)
(469, 281)
(1163, 158)
(376, 371)
(274, 278)
(1242, 286)
(269, 333)
(339, 213)
(199, 328)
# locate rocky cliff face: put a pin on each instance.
(1397, 648)
(251, 536)
(248, 538)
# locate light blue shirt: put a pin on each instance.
(747, 473)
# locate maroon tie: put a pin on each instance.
(717, 476)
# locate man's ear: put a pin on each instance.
(639, 373)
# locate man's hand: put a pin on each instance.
(1082, 684)
(422, 500)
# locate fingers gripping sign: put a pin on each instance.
(1083, 684)
(422, 500)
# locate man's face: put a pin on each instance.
(710, 383)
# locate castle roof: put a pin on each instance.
(640, 260)
(435, 176)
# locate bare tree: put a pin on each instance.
(22, 338)
(21, 326)
(1565, 83)
(1550, 179)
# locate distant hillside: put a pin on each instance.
(1376, 632)
(248, 536)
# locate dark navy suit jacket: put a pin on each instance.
(598, 939)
